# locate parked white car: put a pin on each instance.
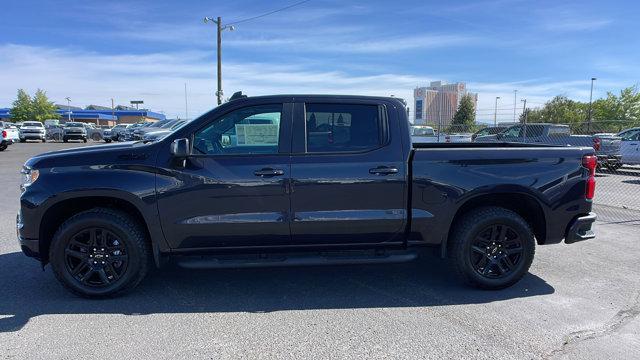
(423, 134)
(455, 138)
(9, 134)
(630, 146)
(33, 130)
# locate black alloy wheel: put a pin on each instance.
(497, 251)
(96, 257)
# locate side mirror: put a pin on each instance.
(180, 148)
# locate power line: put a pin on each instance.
(267, 14)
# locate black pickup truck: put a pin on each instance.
(299, 180)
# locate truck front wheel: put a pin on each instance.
(491, 248)
(100, 253)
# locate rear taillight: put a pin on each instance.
(596, 144)
(4, 134)
(590, 162)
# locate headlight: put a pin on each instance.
(29, 176)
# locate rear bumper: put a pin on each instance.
(609, 159)
(74, 136)
(580, 229)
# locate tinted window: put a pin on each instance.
(629, 135)
(342, 127)
(250, 130)
(534, 130)
(559, 131)
(513, 131)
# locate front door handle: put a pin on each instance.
(268, 172)
(383, 170)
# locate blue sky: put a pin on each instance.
(93, 51)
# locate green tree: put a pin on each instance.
(22, 109)
(466, 113)
(43, 109)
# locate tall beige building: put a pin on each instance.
(437, 103)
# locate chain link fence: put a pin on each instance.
(615, 142)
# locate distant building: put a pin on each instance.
(99, 116)
(437, 103)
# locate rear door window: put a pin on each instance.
(343, 127)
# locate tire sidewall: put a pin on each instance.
(90, 220)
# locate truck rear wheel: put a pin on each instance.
(491, 248)
(100, 253)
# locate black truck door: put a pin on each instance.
(233, 190)
(348, 174)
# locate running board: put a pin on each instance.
(212, 262)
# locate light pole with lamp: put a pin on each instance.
(220, 28)
(68, 108)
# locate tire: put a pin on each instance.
(65, 140)
(84, 140)
(74, 248)
(488, 240)
(44, 140)
(23, 140)
(3, 147)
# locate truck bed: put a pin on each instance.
(467, 145)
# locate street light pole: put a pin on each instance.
(68, 108)
(495, 114)
(219, 28)
(590, 99)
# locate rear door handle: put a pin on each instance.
(268, 172)
(383, 170)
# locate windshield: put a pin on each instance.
(32, 123)
(74, 125)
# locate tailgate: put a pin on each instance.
(609, 144)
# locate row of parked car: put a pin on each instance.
(613, 150)
(147, 131)
(54, 131)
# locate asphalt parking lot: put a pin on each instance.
(580, 301)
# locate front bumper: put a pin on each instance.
(580, 229)
(30, 247)
(31, 136)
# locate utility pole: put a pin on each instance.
(515, 101)
(524, 117)
(186, 104)
(68, 108)
(220, 28)
(590, 99)
(495, 114)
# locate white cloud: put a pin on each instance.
(94, 78)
